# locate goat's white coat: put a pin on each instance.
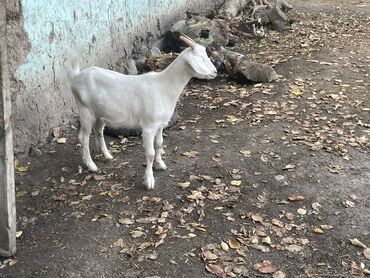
(146, 101)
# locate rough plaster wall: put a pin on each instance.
(18, 48)
(105, 30)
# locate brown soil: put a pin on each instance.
(307, 134)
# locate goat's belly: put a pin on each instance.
(121, 123)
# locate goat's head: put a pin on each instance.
(196, 57)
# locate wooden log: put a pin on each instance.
(277, 18)
(202, 30)
(7, 187)
(231, 8)
(274, 15)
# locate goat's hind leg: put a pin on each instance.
(99, 139)
(148, 142)
(159, 163)
(86, 121)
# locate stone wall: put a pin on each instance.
(41, 35)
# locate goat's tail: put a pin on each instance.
(74, 67)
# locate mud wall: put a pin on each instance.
(42, 34)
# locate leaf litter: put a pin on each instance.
(154, 222)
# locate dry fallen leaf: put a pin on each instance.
(209, 255)
(224, 246)
(87, 198)
(21, 194)
(246, 153)
(236, 182)
(98, 177)
(279, 274)
(56, 132)
(152, 256)
(18, 234)
(184, 184)
(35, 193)
(302, 211)
(190, 154)
(137, 233)
(294, 248)
(296, 197)
(318, 230)
(296, 91)
(62, 140)
(367, 253)
(234, 244)
(266, 240)
(99, 216)
(277, 222)
(214, 269)
(232, 119)
(214, 196)
(266, 267)
(22, 169)
(241, 271)
(119, 243)
(358, 243)
(146, 220)
(256, 217)
(289, 167)
(126, 221)
(316, 206)
(13, 262)
(192, 235)
(349, 204)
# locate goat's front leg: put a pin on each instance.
(148, 142)
(159, 164)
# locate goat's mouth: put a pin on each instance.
(212, 76)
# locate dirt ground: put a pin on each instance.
(263, 180)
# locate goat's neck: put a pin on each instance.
(176, 75)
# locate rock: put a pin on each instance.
(141, 65)
(155, 51)
(126, 66)
(34, 151)
(279, 177)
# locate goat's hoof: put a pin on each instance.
(149, 183)
(160, 165)
(108, 156)
(92, 167)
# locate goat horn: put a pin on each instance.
(188, 41)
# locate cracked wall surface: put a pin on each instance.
(41, 36)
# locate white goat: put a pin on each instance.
(144, 101)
